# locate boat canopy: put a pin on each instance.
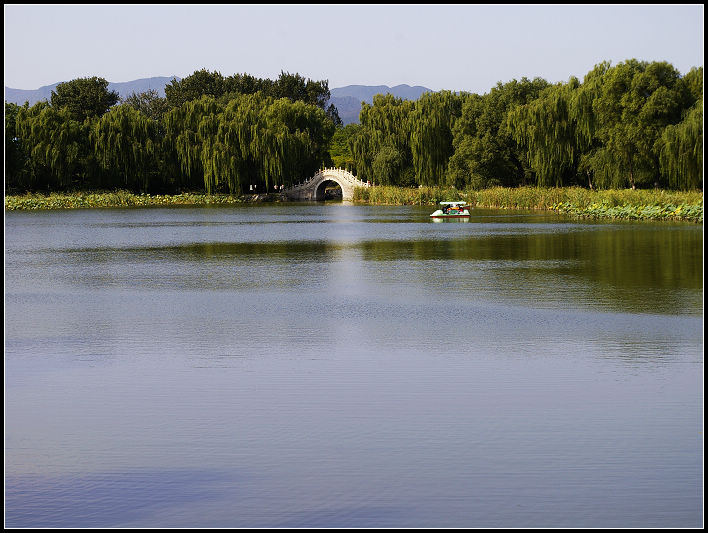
(453, 203)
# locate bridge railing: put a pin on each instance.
(340, 173)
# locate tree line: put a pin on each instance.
(636, 124)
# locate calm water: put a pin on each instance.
(330, 365)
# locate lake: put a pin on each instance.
(333, 365)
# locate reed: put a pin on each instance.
(576, 201)
(390, 195)
(93, 200)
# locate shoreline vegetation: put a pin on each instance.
(637, 204)
(635, 125)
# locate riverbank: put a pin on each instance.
(575, 201)
(654, 204)
(94, 200)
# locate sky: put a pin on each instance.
(441, 47)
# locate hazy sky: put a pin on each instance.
(455, 47)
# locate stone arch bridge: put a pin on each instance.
(314, 188)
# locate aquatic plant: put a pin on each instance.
(93, 200)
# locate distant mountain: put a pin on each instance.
(124, 89)
(347, 99)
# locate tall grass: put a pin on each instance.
(624, 203)
(78, 200)
(576, 201)
(389, 195)
(550, 198)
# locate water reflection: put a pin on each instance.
(341, 366)
(634, 269)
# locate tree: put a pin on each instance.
(681, 150)
(431, 124)
(84, 97)
(125, 142)
(623, 111)
(200, 83)
(388, 165)
(545, 128)
(340, 150)
(384, 125)
(149, 103)
(251, 140)
(694, 82)
(205, 83)
(183, 143)
(56, 145)
(15, 158)
(484, 146)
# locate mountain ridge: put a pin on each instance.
(346, 99)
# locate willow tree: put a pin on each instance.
(305, 137)
(15, 159)
(253, 140)
(545, 128)
(485, 149)
(359, 144)
(125, 143)
(594, 160)
(183, 141)
(681, 151)
(56, 146)
(381, 147)
(624, 111)
(431, 124)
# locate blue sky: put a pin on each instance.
(455, 47)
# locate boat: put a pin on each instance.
(452, 210)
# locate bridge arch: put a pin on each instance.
(321, 190)
(314, 187)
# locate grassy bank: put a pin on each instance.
(78, 200)
(576, 201)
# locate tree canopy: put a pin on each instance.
(84, 97)
(635, 124)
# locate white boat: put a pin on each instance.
(452, 210)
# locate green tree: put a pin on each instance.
(125, 144)
(431, 124)
(56, 145)
(340, 150)
(485, 151)
(253, 140)
(292, 86)
(183, 142)
(200, 83)
(681, 151)
(84, 97)
(622, 112)
(546, 129)
(149, 103)
(247, 84)
(388, 165)
(15, 158)
(694, 82)
(384, 125)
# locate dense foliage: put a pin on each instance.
(633, 125)
(208, 133)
